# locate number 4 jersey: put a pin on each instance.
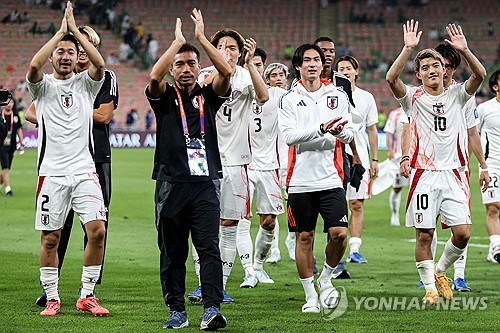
(438, 127)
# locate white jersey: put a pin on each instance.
(438, 127)
(264, 132)
(364, 114)
(469, 109)
(394, 127)
(233, 119)
(489, 127)
(315, 159)
(64, 114)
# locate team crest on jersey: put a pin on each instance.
(45, 219)
(332, 102)
(67, 100)
(195, 102)
(419, 218)
(438, 108)
(257, 109)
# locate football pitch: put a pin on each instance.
(382, 295)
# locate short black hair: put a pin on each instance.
(70, 38)
(494, 80)
(448, 52)
(323, 39)
(260, 53)
(189, 48)
(298, 56)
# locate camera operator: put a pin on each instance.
(8, 145)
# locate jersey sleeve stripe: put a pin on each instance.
(292, 156)
(338, 159)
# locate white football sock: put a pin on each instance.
(450, 254)
(291, 237)
(244, 246)
(326, 274)
(49, 277)
(308, 285)
(90, 275)
(426, 272)
(227, 250)
(459, 265)
(276, 236)
(196, 262)
(7, 189)
(354, 244)
(395, 202)
(263, 243)
(434, 244)
(494, 241)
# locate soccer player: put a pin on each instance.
(8, 146)
(67, 176)
(489, 127)
(439, 183)
(232, 131)
(104, 105)
(265, 187)
(314, 117)
(394, 130)
(187, 171)
(364, 120)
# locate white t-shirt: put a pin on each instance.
(489, 127)
(364, 114)
(264, 132)
(394, 127)
(64, 114)
(315, 159)
(233, 118)
(438, 127)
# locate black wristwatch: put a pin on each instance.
(322, 128)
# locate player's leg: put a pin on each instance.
(263, 243)
(204, 217)
(356, 230)
(88, 203)
(303, 212)
(493, 229)
(244, 244)
(394, 204)
(274, 252)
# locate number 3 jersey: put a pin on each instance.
(438, 127)
(264, 132)
(233, 118)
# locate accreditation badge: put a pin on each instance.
(197, 157)
(8, 139)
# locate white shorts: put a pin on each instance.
(400, 181)
(364, 189)
(283, 173)
(492, 194)
(265, 190)
(56, 195)
(434, 193)
(235, 198)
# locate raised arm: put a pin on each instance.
(411, 39)
(261, 92)
(35, 73)
(459, 42)
(157, 84)
(96, 69)
(222, 77)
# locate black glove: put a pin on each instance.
(357, 171)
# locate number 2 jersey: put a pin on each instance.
(438, 127)
(64, 114)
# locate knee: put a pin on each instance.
(229, 223)
(397, 189)
(425, 237)
(339, 235)
(268, 222)
(50, 241)
(492, 211)
(305, 238)
(462, 237)
(97, 234)
(356, 206)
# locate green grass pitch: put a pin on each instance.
(132, 292)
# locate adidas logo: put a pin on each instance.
(344, 219)
(301, 103)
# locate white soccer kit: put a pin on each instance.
(489, 128)
(438, 157)
(365, 115)
(265, 188)
(315, 160)
(232, 122)
(394, 126)
(67, 177)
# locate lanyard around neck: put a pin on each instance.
(11, 120)
(183, 113)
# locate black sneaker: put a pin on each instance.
(41, 300)
(9, 194)
(177, 319)
(212, 319)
